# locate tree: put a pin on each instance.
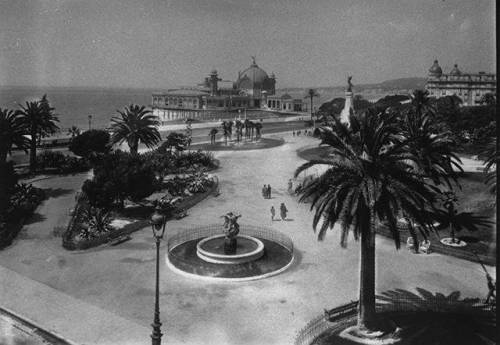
(311, 93)
(213, 132)
(12, 133)
(94, 141)
(492, 160)
(73, 132)
(135, 124)
(433, 151)
(488, 99)
(450, 218)
(176, 140)
(367, 180)
(189, 132)
(119, 176)
(40, 120)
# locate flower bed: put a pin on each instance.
(69, 238)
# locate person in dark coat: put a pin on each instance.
(264, 192)
(283, 211)
(269, 191)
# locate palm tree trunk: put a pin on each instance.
(33, 149)
(134, 147)
(366, 308)
(452, 233)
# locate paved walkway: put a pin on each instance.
(106, 295)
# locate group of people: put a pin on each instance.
(306, 132)
(283, 211)
(266, 191)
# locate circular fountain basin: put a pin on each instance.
(211, 249)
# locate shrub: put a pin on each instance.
(119, 176)
(98, 221)
(60, 162)
(95, 141)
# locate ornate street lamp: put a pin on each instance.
(158, 224)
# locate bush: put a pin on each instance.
(119, 176)
(60, 162)
(95, 141)
(8, 181)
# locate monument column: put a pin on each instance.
(348, 106)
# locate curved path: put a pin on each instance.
(106, 295)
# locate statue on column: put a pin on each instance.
(231, 230)
(349, 84)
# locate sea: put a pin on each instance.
(73, 105)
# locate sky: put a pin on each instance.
(169, 43)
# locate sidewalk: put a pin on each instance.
(60, 314)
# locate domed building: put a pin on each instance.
(255, 82)
(469, 87)
(211, 97)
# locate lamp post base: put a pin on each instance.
(156, 335)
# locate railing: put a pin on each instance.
(186, 235)
(321, 323)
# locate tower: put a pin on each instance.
(213, 79)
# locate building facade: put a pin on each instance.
(470, 88)
(214, 95)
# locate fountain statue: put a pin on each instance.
(231, 230)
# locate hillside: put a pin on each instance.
(368, 91)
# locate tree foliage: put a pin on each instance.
(94, 141)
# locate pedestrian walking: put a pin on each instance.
(293, 133)
(269, 191)
(273, 213)
(290, 186)
(283, 211)
(264, 192)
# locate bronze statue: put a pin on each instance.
(231, 230)
(349, 84)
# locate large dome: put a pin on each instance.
(255, 74)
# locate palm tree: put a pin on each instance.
(367, 180)
(12, 132)
(311, 93)
(212, 134)
(450, 218)
(40, 120)
(74, 131)
(492, 159)
(135, 124)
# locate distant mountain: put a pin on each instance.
(368, 91)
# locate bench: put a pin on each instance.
(342, 311)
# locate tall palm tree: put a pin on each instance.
(311, 93)
(12, 132)
(367, 180)
(135, 124)
(40, 120)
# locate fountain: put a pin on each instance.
(230, 248)
(229, 252)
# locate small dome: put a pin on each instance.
(455, 70)
(435, 70)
